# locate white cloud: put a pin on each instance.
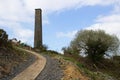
(18, 32)
(57, 5)
(67, 34)
(110, 24)
(111, 18)
(13, 10)
(112, 28)
(24, 35)
(16, 12)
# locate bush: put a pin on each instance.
(95, 44)
(4, 42)
(42, 48)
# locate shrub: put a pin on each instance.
(95, 44)
(4, 42)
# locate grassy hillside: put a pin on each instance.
(10, 59)
(79, 68)
(10, 56)
(74, 67)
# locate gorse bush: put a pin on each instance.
(4, 42)
(94, 44)
(42, 48)
(3, 37)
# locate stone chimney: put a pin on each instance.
(38, 28)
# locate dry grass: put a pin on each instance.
(72, 73)
(70, 70)
(9, 58)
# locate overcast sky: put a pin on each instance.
(61, 19)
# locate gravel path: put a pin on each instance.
(18, 69)
(33, 70)
(52, 70)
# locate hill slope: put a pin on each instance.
(13, 61)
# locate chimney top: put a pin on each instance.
(39, 9)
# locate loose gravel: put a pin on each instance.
(16, 70)
(52, 70)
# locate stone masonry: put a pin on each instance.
(38, 28)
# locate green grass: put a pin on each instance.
(91, 74)
(97, 75)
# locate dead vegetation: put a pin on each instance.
(71, 71)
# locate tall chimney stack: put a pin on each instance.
(38, 28)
